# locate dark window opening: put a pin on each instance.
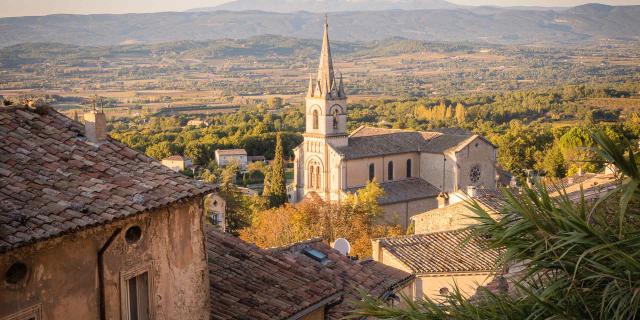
(372, 172)
(390, 171)
(315, 119)
(139, 297)
(16, 273)
(409, 168)
(133, 234)
(335, 118)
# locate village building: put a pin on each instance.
(307, 280)
(412, 167)
(216, 207)
(440, 261)
(177, 163)
(91, 229)
(198, 123)
(226, 156)
(459, 213)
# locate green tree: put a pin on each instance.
(160, 150)
(238, 214)
(553, 163)
(277, 191)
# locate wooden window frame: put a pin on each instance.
(125, 276)
(33, 312)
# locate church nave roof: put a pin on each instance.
(404, 190)
(368, 142)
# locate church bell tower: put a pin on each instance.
(326, 101)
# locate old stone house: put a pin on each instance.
(177, 163)
(226, 156)
(412, 167)
(439, 261)
(91, 229)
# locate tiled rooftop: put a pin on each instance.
(441, 252)
(404, 190)
(252, 283)
(372, 142)
(175, 158)
(352, 276)
(52, 181)
(247, 282)
(231, 152)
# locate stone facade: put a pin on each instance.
(170, 250)
(177, 163)
(239, 156)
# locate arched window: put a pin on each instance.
(409, 168)
(390, 171)
(318, 177)
(311, 177)
(335, 118)
(315, 119)
(372, 172)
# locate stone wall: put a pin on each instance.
(401, 213)
(477, 152)
(62, 275)
(358, 169)
(430, 285)
(454, 217)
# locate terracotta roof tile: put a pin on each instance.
(404, 190)
(441, 252)
(250, 283)
(227, 152)
(373, 142)
(54, 181)
(353, 276)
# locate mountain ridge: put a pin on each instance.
(576, 25)
(321, 6)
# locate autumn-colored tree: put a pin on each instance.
(461, 113)
(353, 219)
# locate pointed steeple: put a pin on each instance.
(310, 92)
(341, 87)
(326, 77)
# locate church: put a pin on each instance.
(417, 170)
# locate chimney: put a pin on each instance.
(95, 126)
(443, 199)
(472, 191)
(376, 249)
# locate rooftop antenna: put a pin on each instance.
(343, 246)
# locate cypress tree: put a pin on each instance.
(278, 183)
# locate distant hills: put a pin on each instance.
(330, 5)
(577, 25)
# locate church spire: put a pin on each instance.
(326, 77)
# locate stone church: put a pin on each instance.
(417, 170)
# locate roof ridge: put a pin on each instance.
(426, 234)
(295, 244)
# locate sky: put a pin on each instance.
(13, 8)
